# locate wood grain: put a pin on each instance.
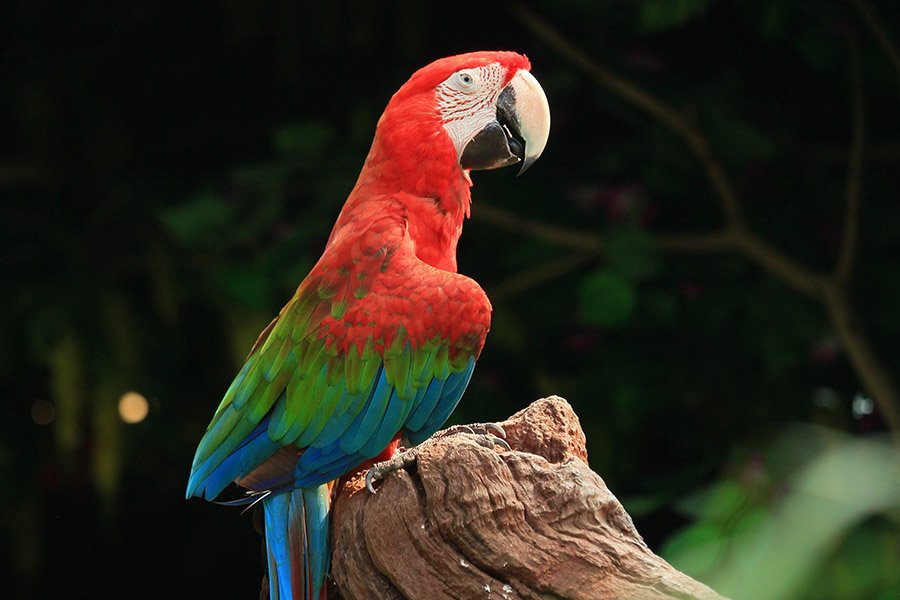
(471, 522)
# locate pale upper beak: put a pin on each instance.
(533, 112)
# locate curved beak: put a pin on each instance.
(532, 114)
(520, 131)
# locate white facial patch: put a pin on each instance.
(467, 101)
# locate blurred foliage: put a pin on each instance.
(815, 512)
(170, 175)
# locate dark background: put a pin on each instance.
(168, 175)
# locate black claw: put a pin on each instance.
(463, 429)
(369, 476)
(490, 441)
(496, 429)
(488, 435)
(499, 441)
(453, 430)
(379, 470)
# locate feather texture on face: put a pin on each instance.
(467, 102)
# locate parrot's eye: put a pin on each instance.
(465, 81)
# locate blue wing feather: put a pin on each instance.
(344, 441)
(388, 427)
(362, 428)
(397, 414)
(256, 438)
(425, 406)
(449, 397)
(212, 475)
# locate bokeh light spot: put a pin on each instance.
(133, 407)
(862, 406)
(43, 412)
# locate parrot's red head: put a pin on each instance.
(481, 110)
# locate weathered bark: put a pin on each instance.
(471, 522)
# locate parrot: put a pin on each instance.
(380, 339)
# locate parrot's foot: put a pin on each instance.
(380, 470)
(488, 435)
(490, 429)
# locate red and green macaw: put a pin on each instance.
(381, 337)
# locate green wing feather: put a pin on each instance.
(317, 368)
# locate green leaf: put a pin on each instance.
(780, 327)
(199, 219)
(626, 399)
(695, 550)
(740, 142)
(890, 593)
(640, 506)
(632, 253)
(262, 177)
(658, 308)
(818, 49)
(247, 285)
(606, 299)
(862, 558)
(773, 20)
(663, 15)
(303, 139)
(725, 500)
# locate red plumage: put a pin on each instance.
(381, 337)
(410, 199)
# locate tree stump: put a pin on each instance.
(471, 522)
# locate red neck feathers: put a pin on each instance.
(413, 165)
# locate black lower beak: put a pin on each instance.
(499, 144)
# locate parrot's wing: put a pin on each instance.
(374, 341)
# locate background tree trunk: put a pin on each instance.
(470, 522)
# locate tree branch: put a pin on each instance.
(830, 291)
(471, 522)
(540, 275)
(878, 32)
(558, 236)
(854, 174)
(656, 108)
(22, 173)
(699, 243)
(778, 264)
(867, 366)
(835, 291)
(886, 153)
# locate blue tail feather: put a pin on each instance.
(297, 543)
